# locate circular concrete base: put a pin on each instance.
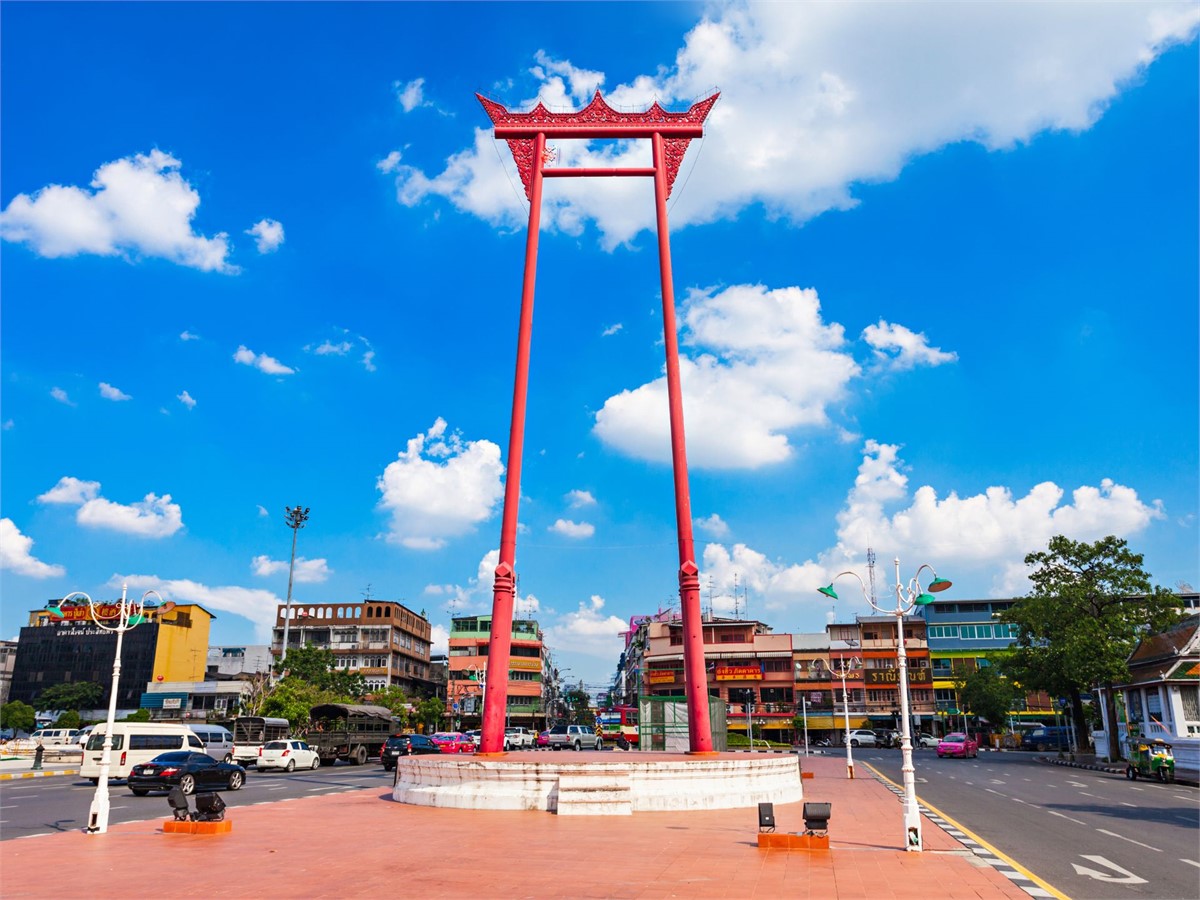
(598, 783)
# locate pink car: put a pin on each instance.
(958, 744)
(543, 739)
(453, 742)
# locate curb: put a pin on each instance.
(1094, 768)
(41, 774)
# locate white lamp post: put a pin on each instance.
(128, 614)
(907, 597)
(844, 668)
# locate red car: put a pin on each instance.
(958, 744)
(453, 742)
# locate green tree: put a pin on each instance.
(1089, 606)
(138, 715)
(17, 715)
(69, 719)
(987, 694)
(318, 668)
(430, 713)
(71, 695)
(579, 706)
(293, 698)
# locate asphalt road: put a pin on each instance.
(1089, 834)
(61, 803)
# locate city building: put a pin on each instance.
(1162, 695)
(747, 666)
(8, 659)
(384, 641)
(234, 662)
(964, 636)
(466, 677)
(167, 647)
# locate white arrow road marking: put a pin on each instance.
(1077, 783)
(1068, 818)
(1131, 840)
(1126, 877)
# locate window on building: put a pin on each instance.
(881, 696)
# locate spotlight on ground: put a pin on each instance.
(766, 817)
(816, 818)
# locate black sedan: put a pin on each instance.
(405, 745)
(191, 771)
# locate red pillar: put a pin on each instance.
(504, 585)
(695, 678)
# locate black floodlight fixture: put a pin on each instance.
(209, 808)
(816, 817)
(766, 817)
(178, 802)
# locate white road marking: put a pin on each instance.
(1068, 818)
(1017, 800)
(1132, 788)
(1125, 876)
(990, 791)
(1131, 840)
(1086, 794)
(1123, 803)
(1191, 862)
(1077, 783)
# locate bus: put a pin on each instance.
(618, 721)
(251, 732)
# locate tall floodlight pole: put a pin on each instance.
(527, 135)
(908, 596)
(845, 667)
(117, 618)
(295, 518)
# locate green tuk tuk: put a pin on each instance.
(1151, 759)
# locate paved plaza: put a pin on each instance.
(362, 843)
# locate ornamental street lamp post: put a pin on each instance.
(845, 667)
(907, 597)
(295, 518)
(127, 614)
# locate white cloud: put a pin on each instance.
(900, 348)
(587, 631)
(389, 163)
(764, 364)
(108, 392)
(152, 517)
(261, 361)
(579, 499)
(574, 530)
(307, 571)
(411, 95)
(188, 336)
(368, 361)
(269, 234)
(440, 487)
(713, 526)
(186, 399)
(259, 606)
(262, 510)
(16, 554)
(139, 205)
(985, 535)
(328, 348)
(61, 396)
(819, 97)
(439, 639)
(612, 329)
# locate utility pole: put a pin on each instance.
(295, 518)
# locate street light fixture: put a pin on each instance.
(118, 618)
(295, 518)
(844, 668)
(908, 596)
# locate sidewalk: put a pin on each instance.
(362, 843)
(12, 767)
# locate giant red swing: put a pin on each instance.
(527, 135)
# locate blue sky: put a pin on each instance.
(936, 268)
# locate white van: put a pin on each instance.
(134, 743)
(218, 741)
(81, 738)
(49, 736)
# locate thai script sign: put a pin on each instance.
(662, 676)
(739, 673)
(892, 676)
(81, 614)
(525, 664)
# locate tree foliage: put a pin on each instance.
(71, 695)
(317, 667)
(579, 706)
(986, 693)
(1089, 606)
(68, 719)
(17, 715)
(430, 713)
(138, 715)
(393, 698)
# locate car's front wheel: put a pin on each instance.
(187, 784)
(235, 781)
(316, 763)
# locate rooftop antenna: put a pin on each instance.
(710, 596)
(367, 593)
(735, 596)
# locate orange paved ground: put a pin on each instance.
(362, 843)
